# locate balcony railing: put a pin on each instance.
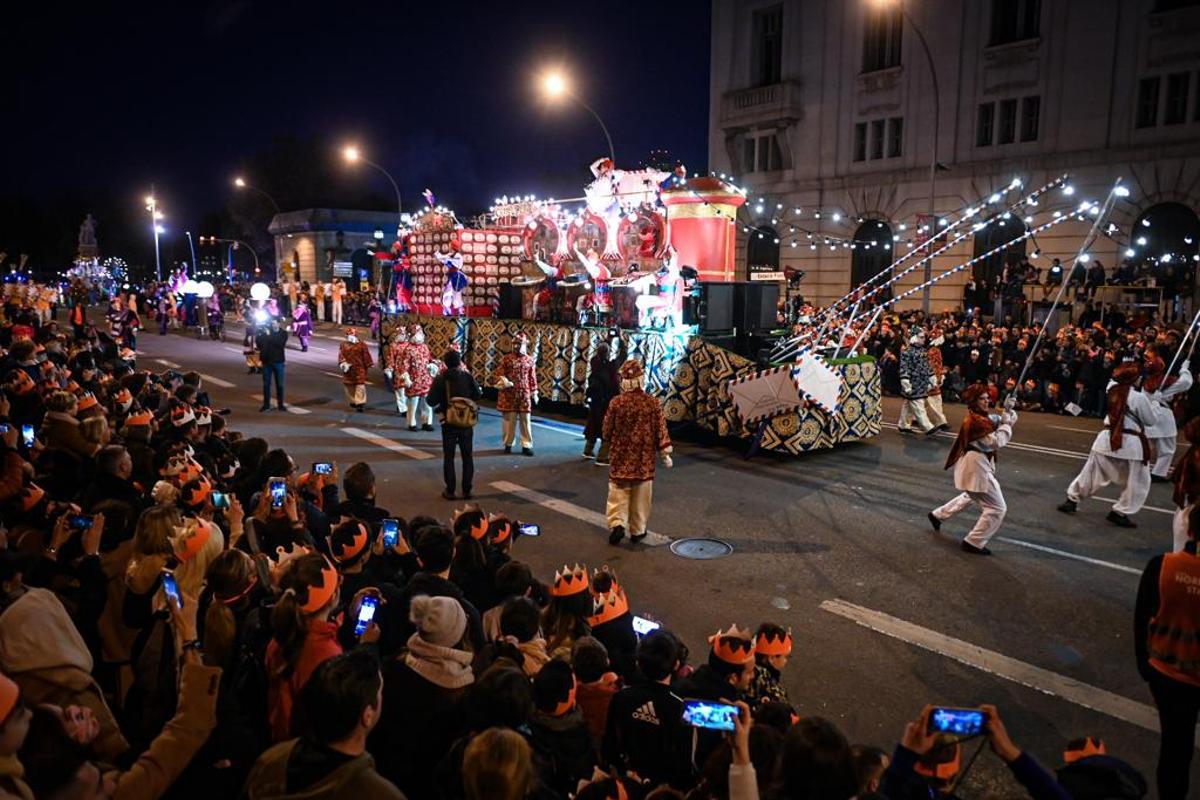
(779, 102)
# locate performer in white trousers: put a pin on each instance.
(1163, 432)
(1121, 452)
(934, 400)
(973, 457)
(916, 379)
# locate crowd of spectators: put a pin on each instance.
(171, 626)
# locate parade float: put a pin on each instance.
(532, 267)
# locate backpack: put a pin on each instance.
(462, 412)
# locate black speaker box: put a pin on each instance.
(754, 305)
(510, 301)
(716, 307)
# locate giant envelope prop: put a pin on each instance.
(818, 381)
(765, 394)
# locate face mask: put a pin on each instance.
(352, 339)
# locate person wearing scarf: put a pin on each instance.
(1121, 453)
(973, 457)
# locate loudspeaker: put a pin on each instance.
(754, 305)
(716, 307)
(510, 302)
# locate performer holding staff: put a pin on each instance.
(973, 457)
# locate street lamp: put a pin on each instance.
(240, 183)
(155, 216)
(352, 155)
(555, 86)
(933, 160)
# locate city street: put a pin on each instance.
(886, 614)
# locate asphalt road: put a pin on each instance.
(886, 614)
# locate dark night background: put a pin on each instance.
(101, 100)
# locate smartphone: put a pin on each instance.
(642, 626)
(366, 613)
(531, 529)
(391, 531)
(323, 467)
(27, 434)
(220, 500)
(959, 721)
(711, 716)
(79, 522)
(4, 427)
(278, 489)
(171, 588)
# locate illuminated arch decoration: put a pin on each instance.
(589, 231)
(629, 237)
(543, 232)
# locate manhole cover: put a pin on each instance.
(701, 548)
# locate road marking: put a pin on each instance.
(1002, 666)
(224, 384)
(1170, 511)
(1076, 430)
(165, 363)
(388, 444)
(236, 350)
(570, 509)
(1076, 556)
(332, 374)
(1032, 448)
(298, 410)
(557, 427)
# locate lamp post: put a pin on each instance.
(353, 155)
(933, 160)
(240, 183)
(555, 85)
(155, 216)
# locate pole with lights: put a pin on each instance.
(555, 86)
(155, 216)
(240, 183)
(352, 155)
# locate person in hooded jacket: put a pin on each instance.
(558, 731)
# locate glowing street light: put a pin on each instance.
(555, 86)
(155, 216)
(240, 183)
(350, 153)
(352, 156)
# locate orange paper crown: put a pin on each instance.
(196, 491)
(31, 495)
(607, 607)
(943, 771)
(766, 645)
(320, 594)
(87, 401)
(1084, 748)
(194, 536)
(734, 646)
(568, 581)
(500, 528)
(123, 398)
(139, 418)
(357, 543)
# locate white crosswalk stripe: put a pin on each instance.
(215, 381)
(570, 509)
(388, 444)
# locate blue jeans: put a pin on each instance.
(275, 370)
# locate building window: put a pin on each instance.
(1014, 20)
(895, 134)
(985, 123)
(881, 38)
(1147, 102)
(761, 153)
(1008, 122)
(860, 142)
(1177, 98)
(767, 51)
(1031, 113)
(876, 139)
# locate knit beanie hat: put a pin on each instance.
(439, 620)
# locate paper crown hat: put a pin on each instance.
(31, 495)
(181, 415)
(608, 606)
(88, 400)
(123, 398)
(734, 646)
(139, 418)
(943, 770)
(470, 519)
(193, 536)
(773, 644)
(569, 581)
(604, 580)
(500, 528)
(1084, 748)
(204, 415)
(196, 491)
(348, 541)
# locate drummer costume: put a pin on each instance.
(393, 366)
(354, 358)
(636, 430)
(934, 399)
(516, 378)
(599, 301)
(1121, 453)
(973, 457)
(456, 281)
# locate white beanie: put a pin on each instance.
(439, 620)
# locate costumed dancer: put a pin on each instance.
(547, 303)
(302, 327)
(416, 372)
(1187, 484)
(973, 457)
(393, 366)
(354, 359)
(404, 280)
(916, 379)
(636, 431)
(1163, 432)
(599, 300)
(1121, 453)
(516, 378)
(456, 281)
(665, 308)
(934, 399)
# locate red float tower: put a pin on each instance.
(702, 225)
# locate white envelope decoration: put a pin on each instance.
(818, 381)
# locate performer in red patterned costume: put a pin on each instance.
(354, 359)
(516, 378)
(934, 399)
(417, 378)
(393, 366)
(637, 434)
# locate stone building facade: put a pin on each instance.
(828, 107)
(310, 242)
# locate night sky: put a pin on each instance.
(103, 99)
